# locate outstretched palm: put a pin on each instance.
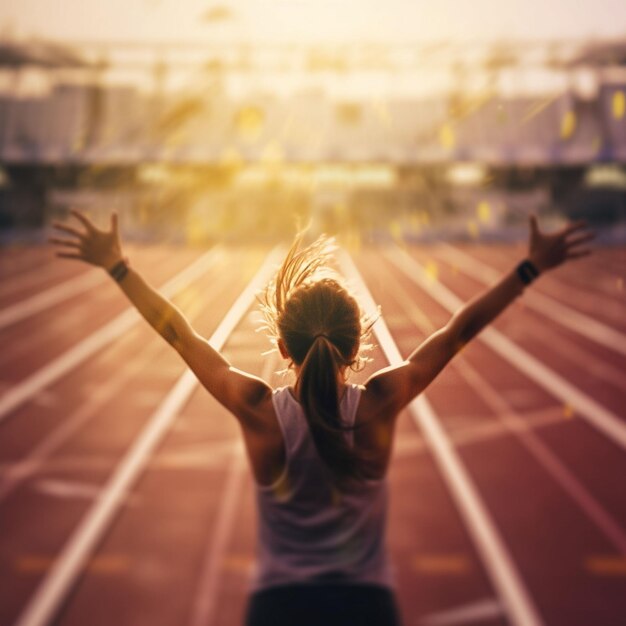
(547, 250)
(93, 245)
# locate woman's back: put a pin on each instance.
(309, 531)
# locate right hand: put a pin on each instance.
(549, 250)
(92, 245)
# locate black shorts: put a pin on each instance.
(323, 605)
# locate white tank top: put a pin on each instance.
(308, 533)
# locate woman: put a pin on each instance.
(319, 451)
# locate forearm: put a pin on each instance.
(484, 308)
(159, 312)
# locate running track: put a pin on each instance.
(124, 493)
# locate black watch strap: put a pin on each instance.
(119, 270)
(527, 272)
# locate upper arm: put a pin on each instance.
(241, 393)
(392, 388)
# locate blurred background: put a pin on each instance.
(210, 120)
(422, 134)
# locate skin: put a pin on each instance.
(383, 396)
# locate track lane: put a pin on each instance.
(602, 375)
(585, 326)
(18, 286)
(36, 340)
(55, 292)
(600, 270)
(428, 542)
(107, 441)
(31, 424)
(20, 258)
(566, 283)
(543, 551)
(577, 439)
(519, 606)
(49, 297)
(595, 413)
(74, 356)
(93, 449)
(24, 454)
(429, 547)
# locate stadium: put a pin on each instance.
(422, 145)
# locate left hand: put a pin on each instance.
(95, 246)
(548, 250)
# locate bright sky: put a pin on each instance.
(327, 20)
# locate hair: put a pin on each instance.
(323, 331)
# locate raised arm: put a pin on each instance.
(237, 391)
(397, 385)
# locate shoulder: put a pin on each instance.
(254, 404)
(380, 394)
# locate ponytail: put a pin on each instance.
(323, 331)
(318, 392)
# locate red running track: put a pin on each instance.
(181, 547)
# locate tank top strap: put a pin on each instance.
(290, 417)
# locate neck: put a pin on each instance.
(341, 383)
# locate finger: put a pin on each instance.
(68, 243)
(577, 254)
(574, 241)
(67, 229)
(534, 224)
(69, 255)
(114, 223)
(574, 226)
(87, 223)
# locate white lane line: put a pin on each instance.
(561, 474)
(26, 278)
(201, 456)
(67, 567)
(50, 297)
(75, 490)
(34, 459)
(38, 274)
(36, 456)
(481, 611)
(206, 595)
(64, 489)
(495, 557)
(209, 584)
(465, 437)
(580, 323)
(23, 391)
(211, 454)
(522, 426)
(605, 420)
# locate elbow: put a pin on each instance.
(465, 337)
(168, 332)
(462, 332)
(172, 328)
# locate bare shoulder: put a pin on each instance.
(254, 400)
(376, 418)
(262, 433)
(386, 392)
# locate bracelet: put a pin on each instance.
(119, 270)
(527, 272)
